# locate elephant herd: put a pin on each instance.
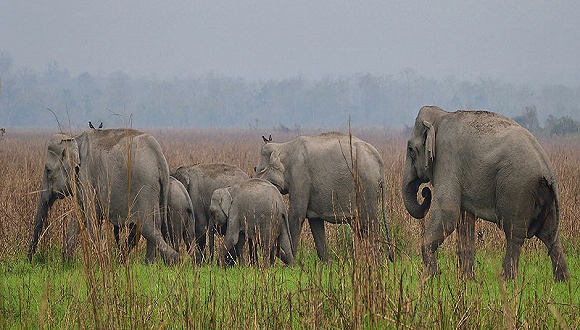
(478, 164)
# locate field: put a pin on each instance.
(96, 291)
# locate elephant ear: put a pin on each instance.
(70, 155)
(275, 161)
(225, 201)
(429, 143)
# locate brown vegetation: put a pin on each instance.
(22, 159)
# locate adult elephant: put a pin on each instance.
(319, 174)
(252, 211)
(200, 181)
(116, 174)
(481, 165)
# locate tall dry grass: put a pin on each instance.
(22, 155)
(351, 293)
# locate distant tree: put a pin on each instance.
(529, 119)
(561, 126)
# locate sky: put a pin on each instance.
(518, 41)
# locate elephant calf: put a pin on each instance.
(253, 210)
(200, 181)
(481, 165)
(180, 218)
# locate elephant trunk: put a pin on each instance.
(45, 200)
(411, 185)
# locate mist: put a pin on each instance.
(264, 63)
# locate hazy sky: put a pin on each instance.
(514, 40)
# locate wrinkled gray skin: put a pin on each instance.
(317, 174)
(481, 165)
(200, 181)
(180, 218)
(96, 166)
(253, 210)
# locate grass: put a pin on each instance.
(99, 292)
(311, 294)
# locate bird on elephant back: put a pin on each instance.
(481, 165)
(332, 177)
(119, 175)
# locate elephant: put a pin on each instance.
(253, 210)
(481, 165)
(331, 177)
(180, 218)
(115, 174)
(200, 181)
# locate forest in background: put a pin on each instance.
(366, 100)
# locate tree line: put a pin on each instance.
(367, 100)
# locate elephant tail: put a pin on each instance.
(549, 207)
(163, 202)
(383, 191)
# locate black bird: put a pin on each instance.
(91, 125)
(101, 126)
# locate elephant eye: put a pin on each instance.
(411, 152)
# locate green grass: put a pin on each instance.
(346, 294)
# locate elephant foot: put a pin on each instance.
(561, 273)
(430, 267)
(429, 263)
(466, 268)
(171, 258)
(509, 274)
(123, 257)
(198, 258)
(391, 255)
(559, 264)
(468, 275)
(67, 258)
(432, 270)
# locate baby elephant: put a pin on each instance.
(180, 218)
(252, 210)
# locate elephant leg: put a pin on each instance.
(296, 217)
(131, 241)
(123, 250)
(155, 240)
(239, 248)
(551, 239)
(441, 225)
(188, 239)
(200, 242)
(268, 254)
(175, 233)
(133, 237)
(274, 249)
(317, 228)
(284, 245)
(512, 257)
(116, 232)
(466, 243)
(253, 250)
(231, 244)
(210, 232)
(71, 240)
(151, 252)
